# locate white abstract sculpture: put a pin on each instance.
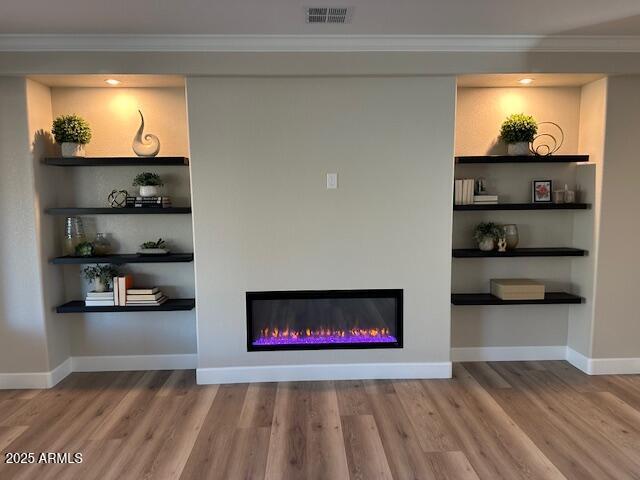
(145, 145)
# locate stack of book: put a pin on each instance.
(148, 202)
(484, 199)
(145, 296)
(463, 191)
(99, 299)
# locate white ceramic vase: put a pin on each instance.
(520, 148)
(70, 149)
(487, 244)
(145, 145)
(149, 191)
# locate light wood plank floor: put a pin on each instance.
(533, 420)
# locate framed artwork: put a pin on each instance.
(541, 191)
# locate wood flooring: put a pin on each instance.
(503, 420)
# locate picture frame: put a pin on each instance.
(541, 191)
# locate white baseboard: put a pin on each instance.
(603, 366)
(97, 364)
(355, 371)
(506, 354)
(10, 381)
(115, 363)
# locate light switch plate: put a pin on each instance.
(332, 181)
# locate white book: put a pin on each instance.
(99, 303)
(457, 192)
(485, 198)
(100, 295)
(116, 292)
(469, 185)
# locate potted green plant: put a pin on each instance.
(518, 131)
(72, 132)
(486, 235)
(148, 183)
(101, 276)
(158, 247)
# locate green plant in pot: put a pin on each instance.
(148, 183)
(101, 276)
(72, 132)
(487, 234)
(518, 131)
(159, 247)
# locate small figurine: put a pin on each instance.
(502, 244)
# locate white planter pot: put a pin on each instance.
(99, 285)
(520, 148)
(72, 149)
(149, 191)
(487, 244)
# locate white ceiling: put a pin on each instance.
(286, 17)
(539, 80)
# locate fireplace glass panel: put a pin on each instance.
(324, 319)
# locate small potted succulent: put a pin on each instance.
(101, 276)
(148, 183)
(72, 132)
(518, 131)
(486, 235)
(158, 247)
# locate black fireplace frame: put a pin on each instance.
(397, 294)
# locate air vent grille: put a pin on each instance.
(328, 14)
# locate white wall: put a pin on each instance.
(479, 114)
(593, 102)
(23, 342)
(264, 221)
(617, 318)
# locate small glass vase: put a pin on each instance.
(101, 245)
(511, 235)
(73, 235)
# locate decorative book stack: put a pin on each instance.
(148, 202)
(517, 289)
(145, 296)
(99, 299)
(484, 199)
(467, 192)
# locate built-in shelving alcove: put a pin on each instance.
(80, 186)
(556, 240)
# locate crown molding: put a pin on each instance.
(316, 43)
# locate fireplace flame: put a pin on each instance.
(323, 332)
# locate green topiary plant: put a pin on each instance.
(104, 272)
(488, 230)
(147, 179)
(518, 128)
(71, 129)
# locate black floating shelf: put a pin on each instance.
(116, 211)
(523, 206)
(125, 258)
(177, 304)
(519, 252)
(114, 161)
(550, 298)
(521, 159)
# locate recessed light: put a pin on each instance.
(525, 81)
(112, 81)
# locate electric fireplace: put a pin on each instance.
(313, 320)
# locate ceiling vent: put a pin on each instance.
(328, 14)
